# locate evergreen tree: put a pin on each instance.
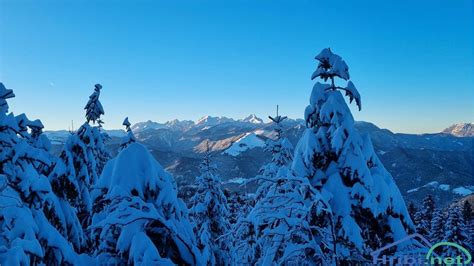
(467, 212)
(424, 216)
(210, 214)
(290, 225)
(471, 236)
(368, 209)
(129, 138)
(57, 211)
(94, 110)
(28, 235)
(282, 155)
(186, 192)
(138, 219)
(240, 204)
(436, 233)
(93, 107)
(455, 231)
(412, 210)
(468, 216)
(81, 162)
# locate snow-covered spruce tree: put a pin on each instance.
(209, 213)
(82, 160)
(471, 236)
(281, 150)
(240, 204)
(455, 230)
(436, 233)
(129, 138)
(94, 110)
(138, 218)
(186, 192)
(57, 211)
(468, 216)
(93, 107)
(424, 216)
(290, 225)
(467, 213)
(28, 235)
(367, 206)
(412, 210)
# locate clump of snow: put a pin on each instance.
(434, 184)
(444, 187)
(262, 132)
(246, 142)
(462, 191)
(236, 180)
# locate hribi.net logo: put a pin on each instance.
(417, 250)
(462, 255)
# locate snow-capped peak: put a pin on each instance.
(179, 124)
(213, 120)
(141, 126)
(252, 119)
(461, 130)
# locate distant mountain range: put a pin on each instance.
(206, 121)
(441, 164)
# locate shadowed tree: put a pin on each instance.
(82, 160)
(210, 214)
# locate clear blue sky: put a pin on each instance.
(412, 61)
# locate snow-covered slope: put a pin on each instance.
(461, 130)
(248, 141)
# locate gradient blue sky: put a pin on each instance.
(412, 61)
